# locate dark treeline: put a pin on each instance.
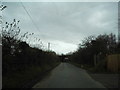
(18, 56)
(97, 48)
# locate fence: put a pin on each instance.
(113, 62)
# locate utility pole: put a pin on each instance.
(118, 22)
(2, 7)
(48, 46)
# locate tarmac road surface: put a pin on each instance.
(67, 75)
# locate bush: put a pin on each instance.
(22, 63)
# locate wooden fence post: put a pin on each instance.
(95, 60)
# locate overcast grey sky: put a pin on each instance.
(64, 24)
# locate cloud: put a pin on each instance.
(62, 47)
(64, 23)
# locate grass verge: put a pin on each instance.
(26, 78)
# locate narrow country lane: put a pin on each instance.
(68, 76)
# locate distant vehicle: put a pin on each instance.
(65, 59)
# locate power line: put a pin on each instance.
(33, 22)
(29, 16)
